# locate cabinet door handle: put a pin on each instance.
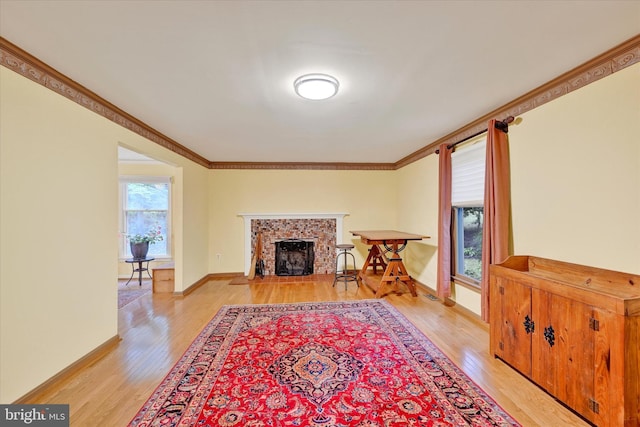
(549, 335)
(529, 325)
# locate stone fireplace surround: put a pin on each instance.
(325, 229)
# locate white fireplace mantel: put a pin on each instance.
(338, 216)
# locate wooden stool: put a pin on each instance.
(345, 274)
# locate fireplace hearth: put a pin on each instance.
(294, 257)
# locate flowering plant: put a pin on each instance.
(152, 236)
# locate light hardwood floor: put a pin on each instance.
(156, 330)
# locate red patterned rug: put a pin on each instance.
(338, 364)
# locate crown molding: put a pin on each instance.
(616, 59)
(302, 165)
(23, 63)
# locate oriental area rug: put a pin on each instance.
(130, 292)
(328, 364)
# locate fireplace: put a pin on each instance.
(323, 229)
(294, 257)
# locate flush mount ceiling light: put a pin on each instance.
(316, 86)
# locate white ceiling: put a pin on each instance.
(217, 76)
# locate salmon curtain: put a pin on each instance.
(497, 203)
(444, 223)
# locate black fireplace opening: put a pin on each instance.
(294, 257)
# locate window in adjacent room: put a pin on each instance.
(467, 198)
(145, 202)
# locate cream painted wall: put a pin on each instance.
(194, 220)
(575, 174)
(367, 196)
(59, 190)
(58, 249)
(418, 213)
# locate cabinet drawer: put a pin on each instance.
(163, 279)
(163, 275)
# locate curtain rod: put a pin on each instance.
(502, 125)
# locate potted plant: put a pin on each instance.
(139, 243)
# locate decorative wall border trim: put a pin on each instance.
(16, 59)
(302, 165)
(616, 59)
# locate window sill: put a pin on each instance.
(466, 282)
(159, 258)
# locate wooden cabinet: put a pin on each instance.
(573, 330)
(163, 278)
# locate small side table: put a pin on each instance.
(140, 268)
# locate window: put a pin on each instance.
(467, 198)
(145, 202)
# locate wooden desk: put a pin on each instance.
(394, 269)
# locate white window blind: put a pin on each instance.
(467, 174)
